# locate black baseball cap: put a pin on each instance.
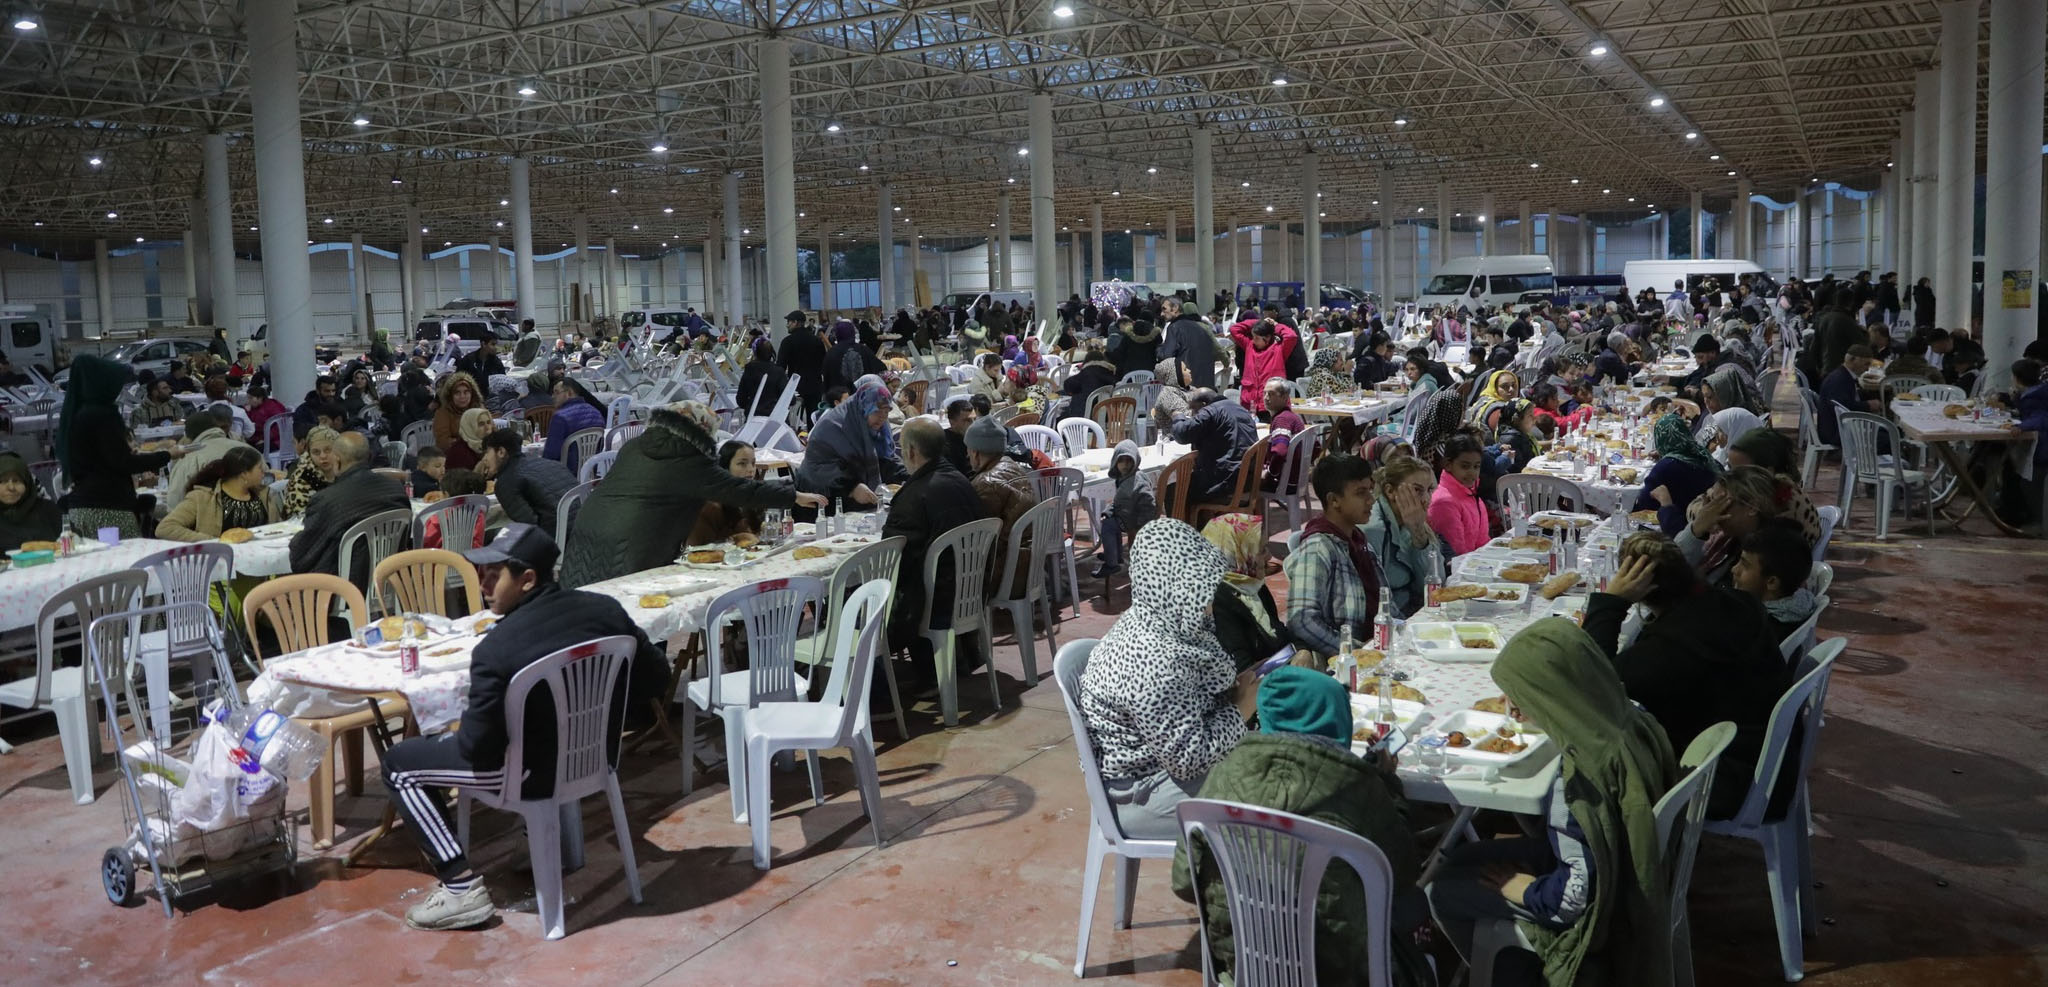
(522, 543)
(795, 315)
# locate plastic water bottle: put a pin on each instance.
(1383, 627)
(266, 740)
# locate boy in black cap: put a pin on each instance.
(537, 619)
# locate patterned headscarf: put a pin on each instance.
(1380, 448)
(1242, 540)
(1674, 441)
(1440, 418)
(1326, 358)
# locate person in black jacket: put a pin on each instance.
(482, 363)
(803, 356)
(1220, 431)
(1923, 304)
(537, 618)
(1189, 342)
(25, 514)
(1095, 372)
(1134, 345)
(849, 360)
(761, 383)
(356, 493)
(529, 488)
(1372, 358)
(93, 449)
(1887, 297)
(1708, 654)
(936, 499)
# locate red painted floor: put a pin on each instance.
(1931, 834)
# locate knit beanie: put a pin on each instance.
(985, 435)
(1293, 699)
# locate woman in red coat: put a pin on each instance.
(1266, 348)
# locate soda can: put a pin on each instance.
(409, 658)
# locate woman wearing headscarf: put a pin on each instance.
(25, 514)
(1247, 620)
(762, 381)
(1683, 471)
(468, 448)
(1383, 449)
(848, 361)
(1399, 534)
(1300, 761)
(1590, 893)
(642, 514)
(1162, 700)
(1741, 500)
(1497, 388)
(458, 393)
(1011, 351)
(843, 461)
(1440, 418)
(93, 449)
(1373, 358)
(1727, 417)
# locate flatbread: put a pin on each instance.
(1530, 573)
(809, 552)
(1462, 591)
(236, 536)
(654, 601)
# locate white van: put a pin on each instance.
(30, 339)
(1481, 282)
(1659, 275)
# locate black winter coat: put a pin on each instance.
(352, 496)
(103, 467)
(936, 499)
(1220, 434)
(530, 489)
(1191, 342)
(762, 382)
(803, 356)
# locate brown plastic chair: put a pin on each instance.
(1245, 499)
(1176, 485)
(417, 582)
(297, 608)
(1027, 418)
(541, 418)
(1118, 417)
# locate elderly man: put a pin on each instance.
(1220, 431)
(529, 488)
(936, 499)
(356, 493)
(960, 415)
(207, 433)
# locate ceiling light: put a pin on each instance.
(1713, 157)
(1887, 164)
(1127, 231)
(1246, 185)
(361, 120)
(1607, 191)
(1401, 120)
(615, 191)
(831, 128)
(500, 222)
(1279, 80)
(668, 209)
(1113, 192)
(799, 215)
(504, 202)
(863, 167)
(1013, 181)
(664, 243)
(1418, 210)
(1535, 164)
(422, 229)
(95, 161)
(252, 229)
(329, 221)
(1022, 151)
(395, 180)
(138, 239)
(1631, 198)
(527, 88)
(1598, 50)
(1063, 11)
(636, 226)
(25, 23)
(447, 243)
(746, 231)
(1152, 171)
(1063, 228)
(1656, 101)
(1269, 208)
(1321, 215)
(1731, 174)
(1653, 205)
(39, 222)
(895, 208)
(1375, 202)
(660, 147)
(1575, 181)
(1480, 218)
(1692, 135)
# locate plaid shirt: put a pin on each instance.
(1324, 594)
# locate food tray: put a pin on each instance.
(1478, 725)
(1581, 521)
(1407, 717)
(753, 555)
(1570, 607)
(1443, 640)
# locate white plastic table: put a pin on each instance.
(1362, 409)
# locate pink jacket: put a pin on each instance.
(1261, 366)
(1457, 514)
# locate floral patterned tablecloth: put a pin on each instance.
(23, 591)
(333, 678)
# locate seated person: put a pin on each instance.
(158, 406)
(1705, 655)
(1455, 508)
(313, 471)
(1333, 584)
(1682, 472)
(529, 488)
(1773, 567)
(1129, 508)
(1398, 534)
(230, 492)
(960, 413)
(1300, 761)
(1247, 620)
(934, 500)
(716, 522)
(429, 466)
(1742, 499)
(1004, 486)
(576, 409)
(1843, 386)
(1707, 357)
(844, 461)
(458, 483)
(1163, 703)
(356, 493)
(1596, 897)
(537, 618)
(1220, 432)
(25, 514)
(1286, 424)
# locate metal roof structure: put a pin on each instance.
(1574, 105)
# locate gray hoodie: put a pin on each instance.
(1133, 504)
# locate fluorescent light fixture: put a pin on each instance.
(329, 221)
(1692, 135)
(615, 191)
(1279, 80)
(1023, 151)
(1063, 11)
(1732, 174)
(895, 208)
(1114, 192)
(1535, 164)
(1607, 191)
(1013, 181)
(1713, 157)
(1245, 185)
(668, 209)
(25, 23)
(1269, 208)
(660, 147)
(501, 222)
(831, 128)
(1597, 50)
(863, 167)
(1152, 171)
(1575, 181)
(527, 88)
(361, 120)
(138, 239)
(95, 161)
(1401, 120)
(395, 180)
(1656, 101)
(504, 202)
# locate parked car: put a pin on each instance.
(469, 331)
(153, 355)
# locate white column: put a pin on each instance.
(912, 258)
(1587, 236)
(1699, 224)
(1528, 228)
(491, 259)
(220, 236)
(1075, 276)
(580, 227)
(1871, 204)
(735, 287)
(1744, 214)
(611, 269)
(1095, 240)
(992, 263)
(824, 272)
(1205, 230)
(411, 271)
(1390, 215)
(1003, 266)
(714, 263)
(885, 249)
(1172, 244)
(1230, 238)
(2012, 175)
(1044, 266)
(778, 181)
(1487, 223)
(359, 275)
(103, 281)
(199, 303)
(1311, 232)
(1802, 262)
(522, 236)
(1902, 179)
(1443, 222)
(1956, 211)
(281, 193)
(1926, 163)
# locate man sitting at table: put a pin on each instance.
(960, 414)
(208, 440)
(1842, 386)
(529, 488)
(356, 493)
(1333, 583)
(1004, 486)
(537, 618)
(158, 407)
(1220, 431)
(1707, 355)
(936, 499)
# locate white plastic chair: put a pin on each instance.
(880, 560)
(278, 447)
(67, 692)
(1820, 578)
(184, 574)
(1082, 434)
(580, 680)
(1062, 484)
(581, 446)
(571, 505)
(1018, 591)
(458, 522)
(1543, 493)
(839, 719)
(1809, 436)
(970, 545)
(1944, 393)
(1105, 835)
(616, 437)
(1045, 439)
(1801, 639)
(1830, 515)
(1788, 855)
(1271, 864)
(417, 436)
(380, 536)
(1863, 435)
(618, 412)
(594, 468)
(1137, 377)
(1292, 491)
(1680, 813)
(770, 612)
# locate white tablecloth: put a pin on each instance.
(23, 591)
(1362, 410)
(1925, 418)
(332, 678)
(1607, 496)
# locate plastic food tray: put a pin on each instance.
(1440, 640)
(1475, 724)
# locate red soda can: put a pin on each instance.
(409, 658)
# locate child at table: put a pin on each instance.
(1130, 508)
(457, 483)
(429, 465)
(1773, 567)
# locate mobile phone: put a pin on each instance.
(1280, 657)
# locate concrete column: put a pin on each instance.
(778, 180)
(1390, 217)
(1802, 237)
(824, 272)
(199, 295)
(220, 237)
(1095, 241)
(1172, 244)
(1956, 182)
(1443, 222)
(1888, 190)
(992, 264)
(713, 264)
(2012, 175)
(1926, 163)
(1311, 231)
(493, 267)
(359, 275)
(1044, 266)
(1870, 205)
(1003, 267)
(1699, 224)
(103, 281)
(522, 236)
(1487, 224)
(1075, 277)
(1230, 238)
(912, 258)
(281, 192)
(1902, 179)
(580, 226)
(735, 292)
(412, 272)
(1205, 231)
(1528, 228)
(885, 248)
(1587, 236)
(1744, 214)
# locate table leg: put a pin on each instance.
(1458, 831)
(1979, 496)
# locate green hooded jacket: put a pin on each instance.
(1617, 763)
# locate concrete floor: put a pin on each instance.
(1931, 835)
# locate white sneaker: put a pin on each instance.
(444, 909)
